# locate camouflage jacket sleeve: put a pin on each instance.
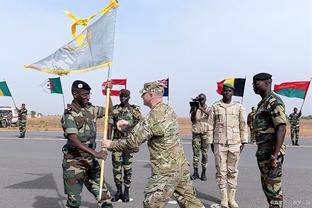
(69, 125)
(210, 125)
(136, 116)
(243, 125)
(277, 111)
(139, 134)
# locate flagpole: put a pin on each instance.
(244, 90)
(108, 91)
(305, 95)
(168, 100)
(11, 94)
(62, 93)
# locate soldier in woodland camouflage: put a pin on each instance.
(122, 160)
(170, 172)
(199, 118)
(22, 116)
(250, 119)
(270, 129)
(227, 130)
(294, 119)
(80, 166)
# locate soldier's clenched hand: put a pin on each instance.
(101, 155)
(106, 143)
(122, 124)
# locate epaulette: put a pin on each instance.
(273, 102)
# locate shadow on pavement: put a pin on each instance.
(203, 196)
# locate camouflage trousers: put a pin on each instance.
(22, 126)
(161, 187)
(122, 160)
(294, 132)
(226, 159)
(200, 145)
(252, 135)
(271, 180)
(77, 172)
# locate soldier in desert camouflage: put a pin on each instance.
(170, 171)
(80, 166)
(227, 130)
(199, 119)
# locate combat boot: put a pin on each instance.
(203, 176)
(296, 143)
(224, 198)
(232, 202)
(126, 195)
(22, 135)
(195, 174)
(292, 142)
(118, 194)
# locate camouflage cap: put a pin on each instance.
(262, 76)
(78, 84)
(124, 92)
(228, 85)
(153, 87)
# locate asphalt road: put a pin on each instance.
(31, 175)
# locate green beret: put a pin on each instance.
(262, 76)
(153, 87)
(227, 85)
(78, 84)
(124, 92)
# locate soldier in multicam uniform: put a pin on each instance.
(22, 116)
(270, 129)
(199, 118)
(122, 160)
(170, 171)
(250, 119)
(79, 164)
(294, 119)
(227, 130)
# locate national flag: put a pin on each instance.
(91, 49)
(117, 83)
(297, 89)
(238, 83)
(4, 89)
(52, 86)
(166, 89)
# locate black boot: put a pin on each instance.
(126, 195)
(203, 176)
(296, 143)
(292, 142)
(118, 194)
(106, 205)
(195, 174)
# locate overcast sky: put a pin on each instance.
(196, 43)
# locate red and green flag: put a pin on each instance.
(4, 89)
(293, 89)
(52, 86)
(237, 83)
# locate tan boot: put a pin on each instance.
(224, 198)
(232, 202)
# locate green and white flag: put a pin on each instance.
(52, 86)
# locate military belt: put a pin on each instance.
(120, 134)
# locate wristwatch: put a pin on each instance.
(273, 157)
